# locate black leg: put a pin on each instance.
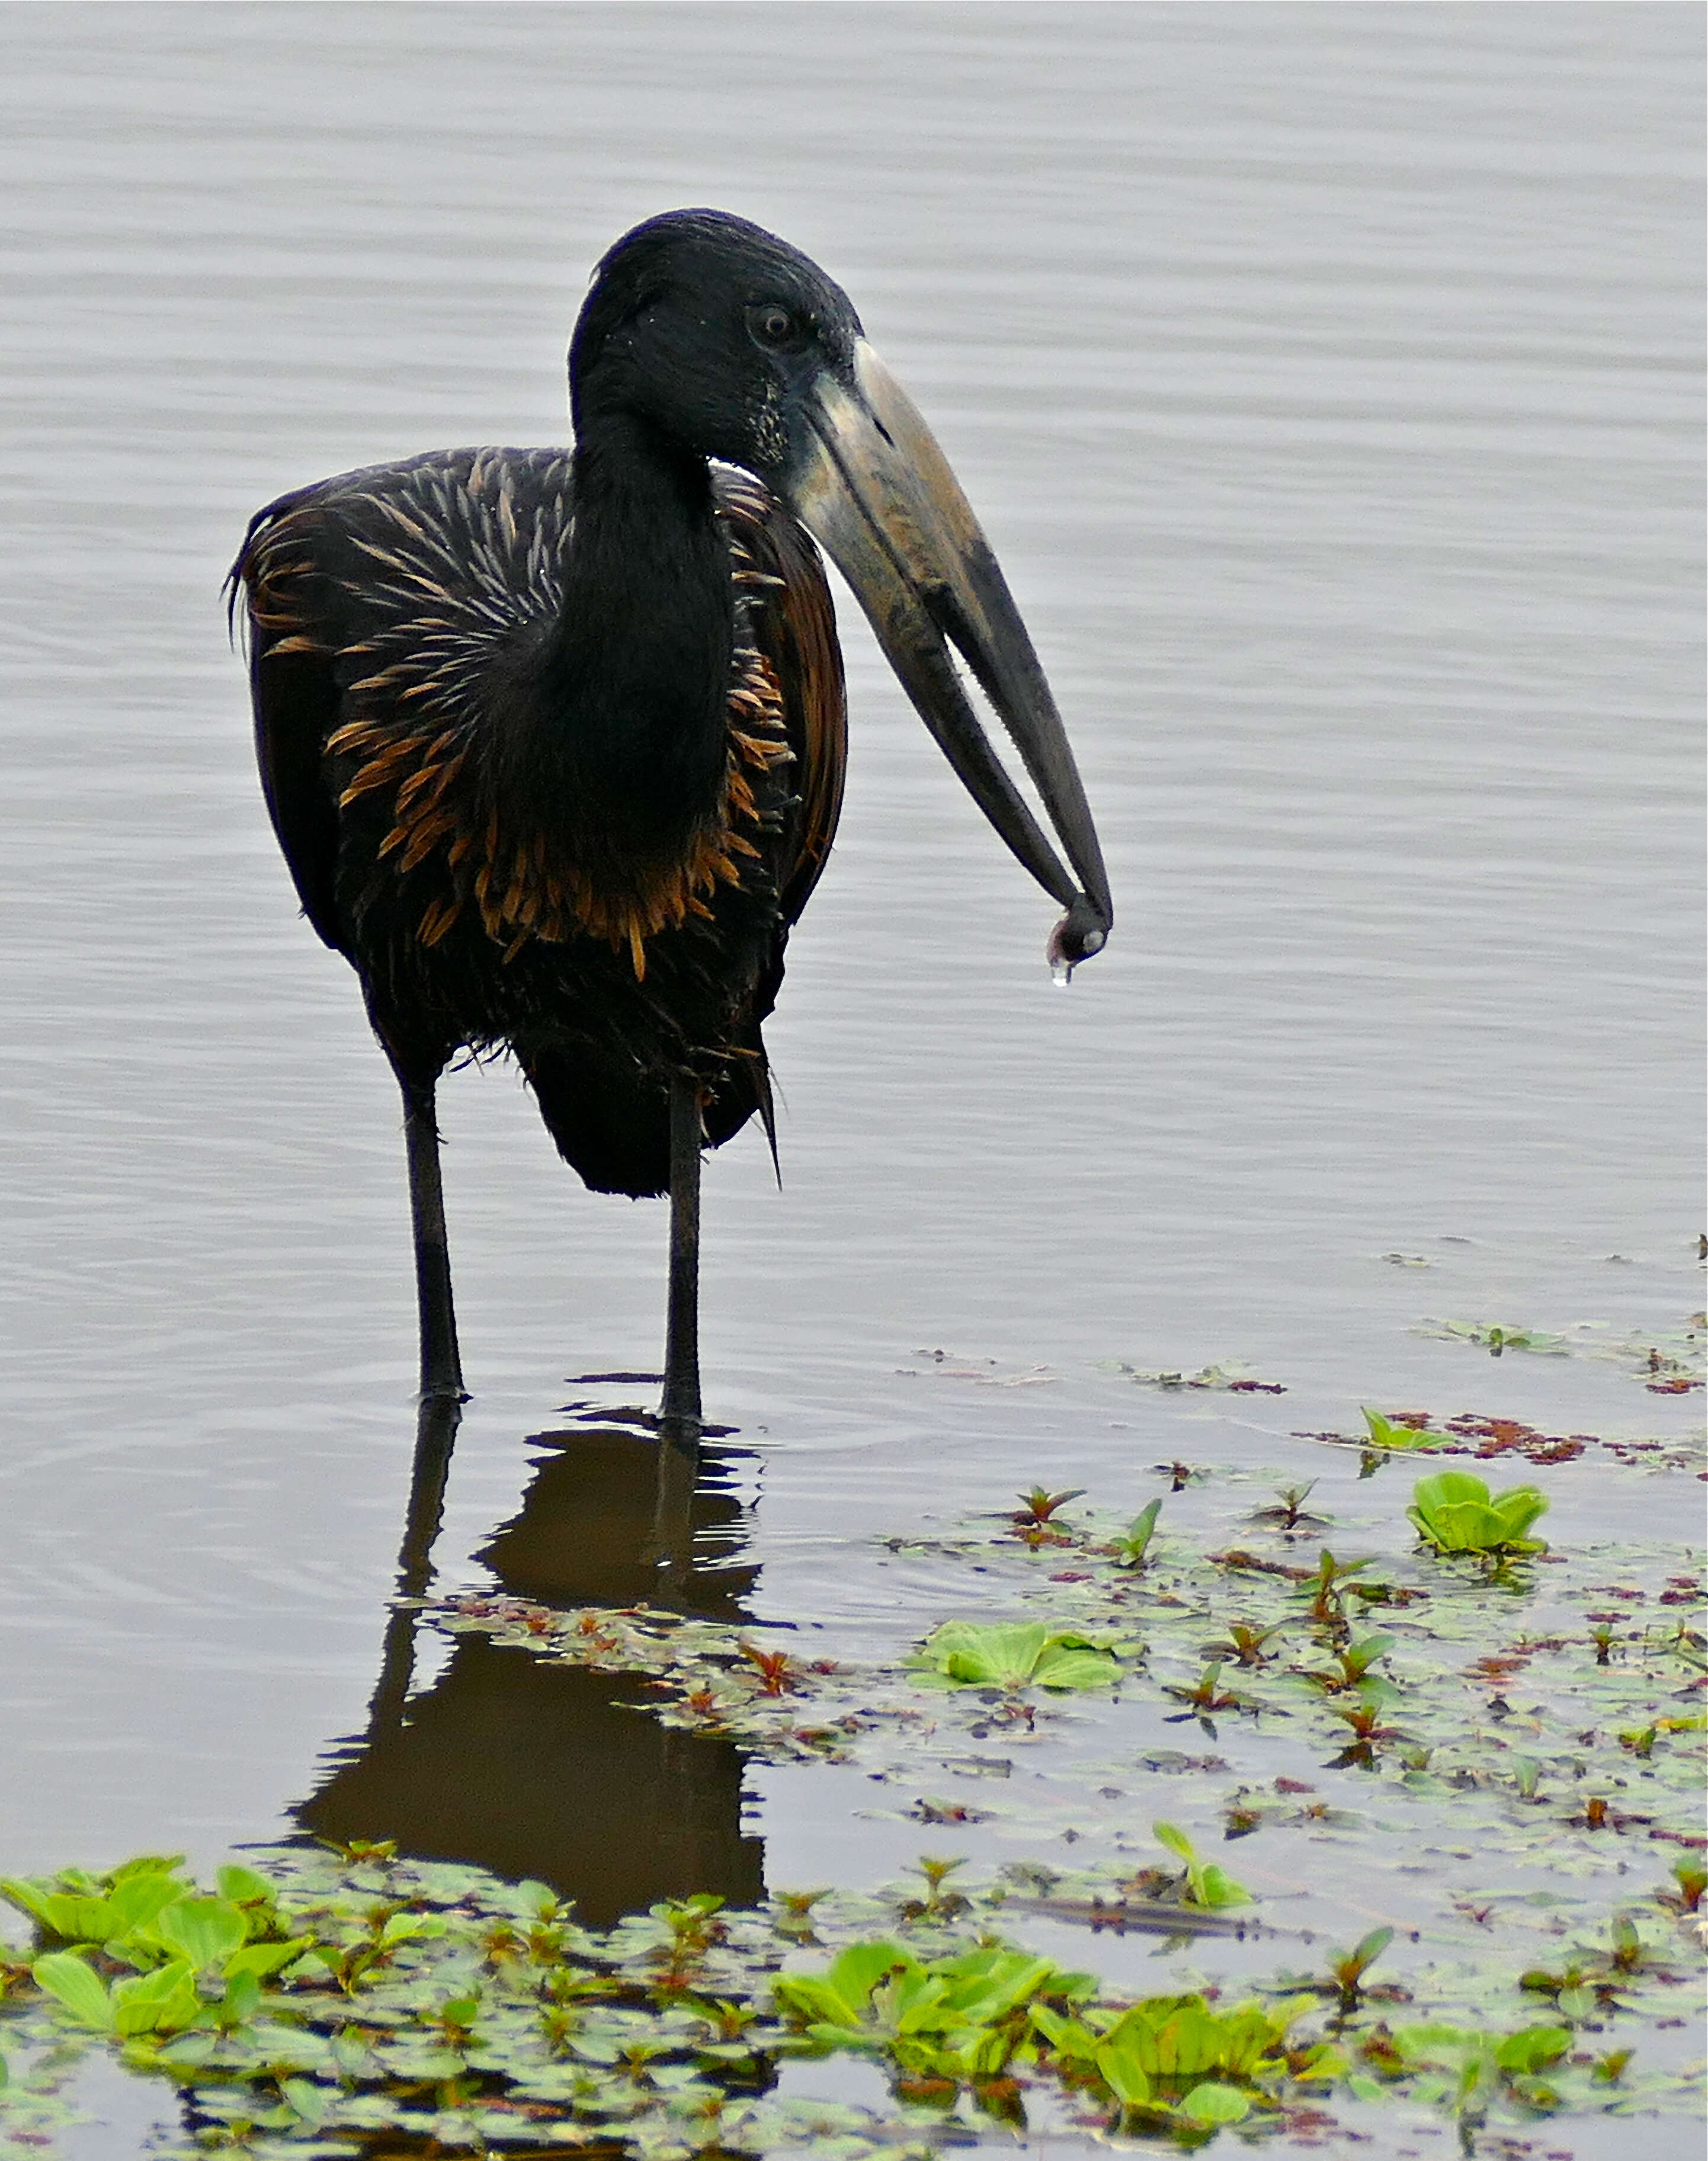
(441, 1366)
(680, 1413)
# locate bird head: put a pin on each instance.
(731, 345)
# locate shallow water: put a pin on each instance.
(1327, 380)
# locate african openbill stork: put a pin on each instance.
(554, 742)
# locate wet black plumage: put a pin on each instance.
(554, 742)
(411, 612)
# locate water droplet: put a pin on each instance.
(1061, 973)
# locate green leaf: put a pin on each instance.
(1181, 2037)
(82, 1913)
(241, 1999)
(164, 2001)
(138, 1899)
(74, 1983)
(1532, 2048)
(986, 1985)
(1454, 1513)
(1131, 1550)
(75, 1917)
(841, 1996)
(28, 1897)
(312, 2103)
(1175, 1840)
(1213, 1886)
(1207, 1884)
(1075, 1662)
(1119, 2068)
(1215, 2104)
(203, 1931)
(403, 1928)
(1368, 1948)
(1014, 1655)
(263, 1960)
(1385, 1434)
(1068, 2038)
(244, 1886)
(147, 1864)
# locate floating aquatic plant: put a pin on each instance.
(313, 2003)
(1133, 1546)
(1400, 1432)
(1454, 1513)
(958, 2017)
(1207, 1884)
(1012, 1656)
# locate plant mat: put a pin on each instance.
(1494, 1757)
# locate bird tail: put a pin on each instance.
(612, 1121)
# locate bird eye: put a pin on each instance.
(774, 324)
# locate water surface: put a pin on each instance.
(1328, 381)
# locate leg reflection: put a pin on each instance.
(436, 1437)
(548, 1771)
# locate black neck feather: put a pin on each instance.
(637, 678)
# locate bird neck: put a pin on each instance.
(639, 671)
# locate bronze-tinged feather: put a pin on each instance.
(522, 882)
(438, 918)
(511, 878)
(796, 630)
(448, 773)
(425, 836)
(381, 555)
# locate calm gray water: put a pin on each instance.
(1327, 379)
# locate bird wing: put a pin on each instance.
(294, 688)
(427, 568)
(796, 630)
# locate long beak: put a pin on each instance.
(877, 492)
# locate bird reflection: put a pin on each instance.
(554, 1772)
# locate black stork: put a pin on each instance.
(553, 741)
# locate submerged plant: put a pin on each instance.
(1289, 1511)
(1327, 1587)
(942, 1902)
(1206, 1695)
(1039, 1504)
(1454, 1513)
(1034, 1524)
(1245, 1643)
(1351, 1667)
(1497, 1339)
(776, 1670)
